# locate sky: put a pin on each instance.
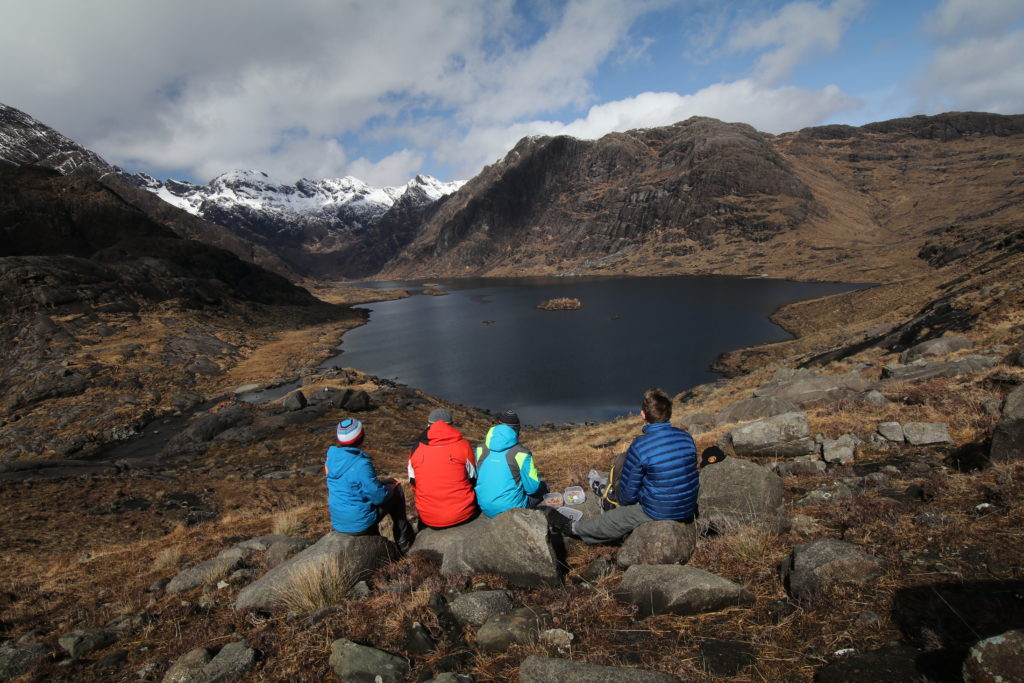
(385, 89)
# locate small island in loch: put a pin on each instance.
(560, 304)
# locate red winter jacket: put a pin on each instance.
(441, 471)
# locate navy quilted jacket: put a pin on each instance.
(660, 473)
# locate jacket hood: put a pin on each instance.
(501, 438)
(342, 458)
(442, 433)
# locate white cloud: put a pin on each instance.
(973, 18)
(798, 31)
(976, 64)
(403, 164)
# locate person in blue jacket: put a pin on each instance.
(357, 499)
(659, 479)
(506, 475)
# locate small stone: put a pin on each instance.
(557, 638)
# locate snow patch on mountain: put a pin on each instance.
(345, 199)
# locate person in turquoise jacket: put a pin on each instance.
(506, 475)
(357, 499)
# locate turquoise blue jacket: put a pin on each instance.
(353, 492)
(506, 474)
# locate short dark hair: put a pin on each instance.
(657, 406)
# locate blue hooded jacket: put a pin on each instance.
(497, 487)
(660, 473)
(353, 492)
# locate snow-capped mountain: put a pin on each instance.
(238, 198)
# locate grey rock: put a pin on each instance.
(892, 431)
(514, 545)
(197, 436)
(233, 660)
(1008, 438)
(658, 542)
(696, 422)
(359, 555)
(295, 401)
(205, 573)
(806, 388)
(894, 663)
(992, 407)
(798, 467)
(782, 436)
(15, 661)
(519, 627)
(999, 658)
(874, 398)
(536, 669)
(921, 370)
(802, 525)
(356, 663)
(676, 589)
(935, 347)
(418, 640)
(737, 492)
(816, 566)
(558, 638)
(85, 641)
(841, 455)
(755, 408)
(474, 609)
(927, 433)
(358, 402)
(188, 667)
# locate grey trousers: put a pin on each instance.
(612, 525)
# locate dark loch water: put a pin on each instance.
(485, 344)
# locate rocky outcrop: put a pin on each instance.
(356, 555)
(675, 589)
(1008, 439)
(814, 567)
(735, 493)
(563, 200)
(515, 545)
(782, 436)
(659, 542)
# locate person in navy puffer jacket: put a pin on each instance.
(659, 478)
(356, 498)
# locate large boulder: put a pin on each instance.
(921, 370)
(806, 388)
(999, 658)
(357, 555)
(514, 545)
(927, 433)
(659, 542)
(474, 609)
(355, 663)
(519, 627)
(1008, 439)
(676, 589)
(935, 347)
(782, 436)
(755, 408)
(814, 567)
(537, 669)
(737, 492)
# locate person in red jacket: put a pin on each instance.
(442, 473)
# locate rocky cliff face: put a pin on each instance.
(889, 199)
(565, 204)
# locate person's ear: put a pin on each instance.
(643, 415)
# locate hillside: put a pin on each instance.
(139, 499)
(702, 196)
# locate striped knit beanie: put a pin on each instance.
(349, 431)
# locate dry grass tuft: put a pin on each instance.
(167, 558)
(290, 522)
(319, 585)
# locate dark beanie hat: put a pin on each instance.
(711, 455)
(510, 418)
